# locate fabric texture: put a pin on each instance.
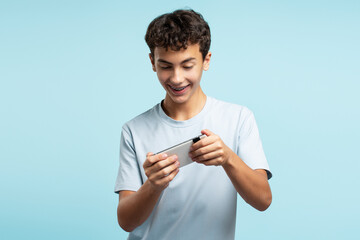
(200, 202)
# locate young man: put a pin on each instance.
(157, 200)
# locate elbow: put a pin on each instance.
(123, 223)
(125, 227)
(265, 202)
(261, 203)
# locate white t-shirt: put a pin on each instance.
(200, 202)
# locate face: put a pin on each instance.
(179, 72)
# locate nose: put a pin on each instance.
(177, 76)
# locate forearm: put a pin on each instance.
(252, 185)
(136, 207)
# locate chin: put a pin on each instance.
(178, 99)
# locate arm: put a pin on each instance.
(129, 213)
(252, 185)
(135, 207)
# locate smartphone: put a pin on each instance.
(182, 150)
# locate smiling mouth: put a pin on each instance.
(178, 89)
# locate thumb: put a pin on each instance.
(207, 132)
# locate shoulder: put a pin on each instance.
(233, 115)
(223, 107)
(142, 120)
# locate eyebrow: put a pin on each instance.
(185, 61)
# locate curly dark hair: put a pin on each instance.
(177, 30)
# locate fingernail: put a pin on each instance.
(175, 157)
(164, 155)
(177, 163)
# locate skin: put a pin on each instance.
(175, 70)
(179, 69)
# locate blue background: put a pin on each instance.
(72, 72)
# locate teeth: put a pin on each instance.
(178, 89)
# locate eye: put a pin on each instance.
(188, 67)
(165, 67)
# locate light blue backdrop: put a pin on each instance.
(72, 72)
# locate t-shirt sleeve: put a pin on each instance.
(250, 148)
(129, 176)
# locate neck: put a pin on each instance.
(187, 110)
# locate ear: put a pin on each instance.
(206, 63)
(152, 62)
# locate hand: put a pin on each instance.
(160, 170)
(210, 151)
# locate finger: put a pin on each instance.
(213, 162)
(167, 179)
(172, 175)
(146, 163)
(153, 169)
(203, 150)
(206, 157)
(164, 163)
(207, 132)
(203, 142)
(165, 171)
(151, 159)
